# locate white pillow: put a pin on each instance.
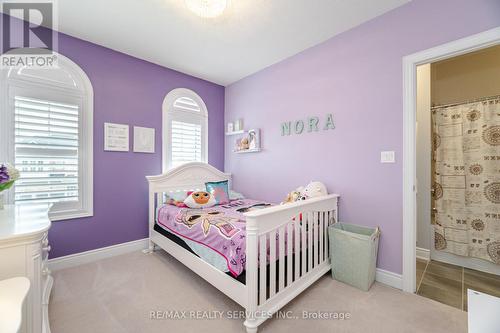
(178, 196)
(200, 199)
(233, 195)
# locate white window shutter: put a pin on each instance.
(186, 143)
(50, 138)
(46, 151)
(186, 103)
(185, 122)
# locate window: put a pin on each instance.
(49, 137)
(46, 150)
(185, 123)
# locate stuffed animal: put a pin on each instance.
(293, 196)
(200, 199)
(314, 189)
(244, 144)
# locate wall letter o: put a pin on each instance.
(299, 127)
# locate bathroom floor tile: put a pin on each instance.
(441, 289)
(420, 270)
(448, 271)
(448, 283)
(480, 281)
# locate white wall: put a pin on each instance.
(424, 200)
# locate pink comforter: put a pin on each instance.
(221, 228)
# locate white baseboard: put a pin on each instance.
(389, 278)
(97, 254)
(424, 254)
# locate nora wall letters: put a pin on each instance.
(311, 124)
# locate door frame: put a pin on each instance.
(452, 49)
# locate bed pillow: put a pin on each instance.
(174, 202)
(219, 190)
(179, 195)
(176, 198)
(200, 199)
(233, 195)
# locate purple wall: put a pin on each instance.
(130, 91)
(357, 76)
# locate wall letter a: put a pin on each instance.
(329, 122)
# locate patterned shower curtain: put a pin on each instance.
(466, 173)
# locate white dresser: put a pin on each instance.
(24, 250)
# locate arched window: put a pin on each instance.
(185, 129)
(47, 133)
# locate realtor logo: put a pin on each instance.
(28, 37)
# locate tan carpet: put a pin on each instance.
(118, 294)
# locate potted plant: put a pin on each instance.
(8, 175)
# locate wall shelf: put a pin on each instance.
(256, 150)
(235, 133)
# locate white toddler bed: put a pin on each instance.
(270, 230)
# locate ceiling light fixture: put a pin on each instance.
(207, 8)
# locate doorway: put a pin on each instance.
(460, 47)
(458, 211)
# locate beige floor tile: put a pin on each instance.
(420, 270)
(441, 289)
(448, 271)
(485, 281)
(442, 282)
(448, 283)
(480, 281)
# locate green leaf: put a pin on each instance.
(6, 186)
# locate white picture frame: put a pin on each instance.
(238, 125)
(254, 139)
(116, 137)
(144, 140)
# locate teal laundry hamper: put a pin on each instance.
(353, 254)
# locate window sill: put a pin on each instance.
(69, 214)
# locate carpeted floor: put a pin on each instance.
(119, 294)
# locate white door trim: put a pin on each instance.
(465, 45)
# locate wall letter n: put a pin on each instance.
(285, 128)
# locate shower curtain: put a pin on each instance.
(466, 174)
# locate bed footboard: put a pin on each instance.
(293, 239)
(287, 245)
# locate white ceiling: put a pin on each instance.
(249, 36)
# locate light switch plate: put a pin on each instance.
(387, 157)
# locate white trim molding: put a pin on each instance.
(388, 278)
(423, 254)
(170, 113)
(86, 257)
(462, 46)
(382, 276)
(67, 83)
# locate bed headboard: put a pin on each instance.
(187, 177)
